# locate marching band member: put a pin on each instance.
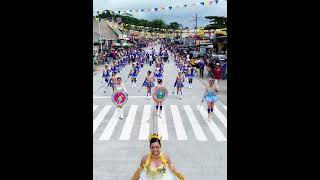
(210, 97)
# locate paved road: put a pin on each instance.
(197, 147)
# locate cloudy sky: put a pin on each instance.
(181, 15)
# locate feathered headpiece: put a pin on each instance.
(151, 136)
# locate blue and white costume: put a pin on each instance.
(106, 75)
(134, 72)
(158, 73)
(114, 69)
(190, 73)
(179, 82)
(210, 96)
(148, 83)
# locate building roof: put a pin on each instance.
(106, 31)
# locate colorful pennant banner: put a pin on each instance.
(204, 3)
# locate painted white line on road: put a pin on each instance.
(224, 107)
(221, 117)
(195, 124)
(110, 127)
(100, 117)
(212, 126)
(127, 128)
(162, 126)
(181, 133)
(145, 125)
(109, 97)
(95, 107)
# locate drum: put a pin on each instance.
(119, 98)
(160, 94)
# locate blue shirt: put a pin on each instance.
(201, 64)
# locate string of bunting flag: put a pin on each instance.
(204, 3)
(114, 24)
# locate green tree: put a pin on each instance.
(217, 22)
(158, 23)
(104, 14)
(174, 25)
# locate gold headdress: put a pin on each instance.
(151, 136)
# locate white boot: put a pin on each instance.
(209, 116)
(121, 113)
(191, 86)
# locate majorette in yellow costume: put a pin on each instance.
(155, 165)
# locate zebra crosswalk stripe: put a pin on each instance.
(95, 107)
(100, 117)
(162, 126)
(110, 127)
(127, 128)
(181, 133)
(221, 117)
(195, 124)
(212, 126)
(145, 123)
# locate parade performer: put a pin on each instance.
(106, 75)
(117, 66)
(150, 59)
(113, 67)
(179, 84)
(153, 55)
(119, 86)
(185, 69)
(166, 56)
(155, 165)
(210, 97)
(190, 74)
(158, 103)
(149, 83)
(158, 72)
(133, 74)
(113, 81)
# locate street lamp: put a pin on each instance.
(100, 35)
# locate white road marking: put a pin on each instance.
(145, 125)
(109, 97)
(95, 107)
(221, 117)
(181, 133)
(127, 128)
(162, 126)
(212, 126)
(195, 124)
(100, 117)
(110, 127)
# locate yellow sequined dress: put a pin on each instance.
(156, 173)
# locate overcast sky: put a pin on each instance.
(181, 15)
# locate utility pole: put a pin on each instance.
(196, 19)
